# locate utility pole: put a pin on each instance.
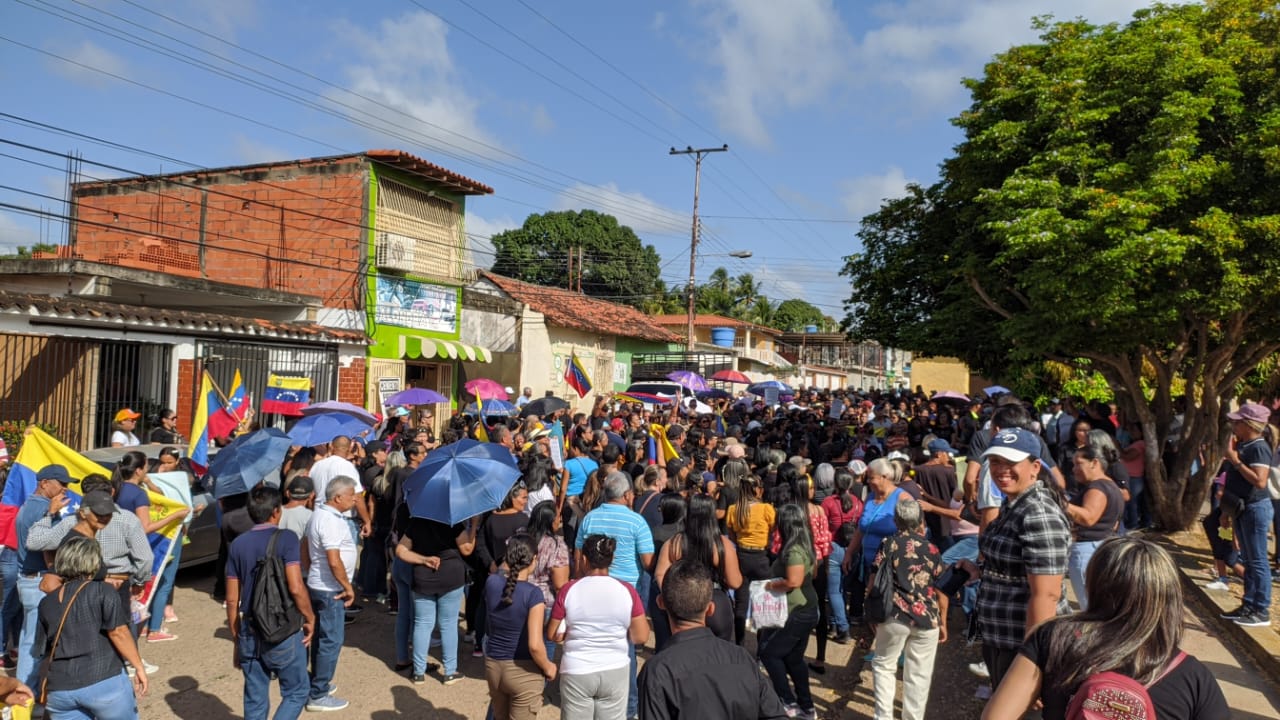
(693, 244)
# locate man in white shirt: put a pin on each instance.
(329, 564)
(334, 465)
(525, 397)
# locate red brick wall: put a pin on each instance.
(294, 229)
(187, 390)
(351, 383)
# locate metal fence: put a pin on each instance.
(256, 361)
(78, 384)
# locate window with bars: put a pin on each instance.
(432, 223)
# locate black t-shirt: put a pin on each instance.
(1254, 452)
(646, 504)
(497, 529)
(162, 436)
(428, 537)
(84, 655)
(1188, 692)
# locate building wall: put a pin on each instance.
(351, 382)
(294, 229)
(546, 351)
(939, 373)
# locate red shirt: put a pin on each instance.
(818, 528)
(837, 516)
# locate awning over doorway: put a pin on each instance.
(418, 347)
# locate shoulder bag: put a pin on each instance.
(48, 661)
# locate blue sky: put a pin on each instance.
(828, 107)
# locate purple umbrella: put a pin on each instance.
(689, 380)
(334, 406)
(416, 396)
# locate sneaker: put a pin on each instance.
(477, 652)
(1253, 619)
(451, 679)
(160, 636)
(333, 689)
(810, 714)
(327, 703)
(980, 669)
(841, 638)
(817, 669)
(151, 669)
(1233, 614)
(1219, 585)
(791, 709)
(419, 679)
(170, 615)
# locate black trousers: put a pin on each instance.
(755, 566)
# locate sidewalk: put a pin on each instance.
(1246, 661)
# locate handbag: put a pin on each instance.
(768, 608)
(44, 672)
(879, 605)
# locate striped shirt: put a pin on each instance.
(625, 526)
(1031, 536)
(125, 550)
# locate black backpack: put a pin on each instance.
(272, 611)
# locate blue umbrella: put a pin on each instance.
(315, 430)
(247, 460)
(416, 396)
(461, 480)
(493, 408)
(333, 406)
(760, 387)
(996, 390)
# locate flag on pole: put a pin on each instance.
(198, 451)
(482, 432)
(224, 419)
(658, 434)
(576, 375)
(286, 395)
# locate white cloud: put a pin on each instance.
(88, 57)
(249, 151)
(541, 119)
(223, 17)
(659, 21)
(480, 252)
(773, 55)
(632, 209)
(863, 195)
(16, 232)
(405, 64)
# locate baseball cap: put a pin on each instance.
(942, 446)
(98, 503)
(54, 472)
(1014, 445)
(300, 487)
(1251, 412)
(898, 455)
(857, 467)
(127, 414)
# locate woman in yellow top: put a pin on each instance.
(750, 523)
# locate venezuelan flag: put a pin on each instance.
(286, 395)
(576, 375)
(198, 451)
(658, 434)
(224, 419)
(40, 449)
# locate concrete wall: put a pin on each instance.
(545, 351)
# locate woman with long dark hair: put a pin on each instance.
(843, 509)
(781, 650)
(1075, 442)
(516, 661)
(820, 536)
(495, 529)
(701, 541)
(750, 522)
(1129, 629)
(551, 568)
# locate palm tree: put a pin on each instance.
(762, 311)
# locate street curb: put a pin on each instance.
(1262, 645)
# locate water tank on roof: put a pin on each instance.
(723, 336)
(811, 329)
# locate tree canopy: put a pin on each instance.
(616, 264)
(1113, 206)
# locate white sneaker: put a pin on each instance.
(1219, 585)
(151, 669)
(979, 669)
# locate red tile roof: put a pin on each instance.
(402, 160)
(178, 322)
(708, 320)
(582, 312)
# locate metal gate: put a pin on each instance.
(78, 384)
(256, 361)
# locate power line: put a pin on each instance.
(784, 219)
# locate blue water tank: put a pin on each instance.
(723, 336)
(810, 329)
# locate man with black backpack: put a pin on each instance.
(269, 611)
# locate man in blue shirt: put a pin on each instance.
(48, 500)
(257, 660)
(616, 519)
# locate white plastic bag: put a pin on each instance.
(768, 608)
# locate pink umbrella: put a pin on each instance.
(487, 389)
(731, 376)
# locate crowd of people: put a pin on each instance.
(857, 515)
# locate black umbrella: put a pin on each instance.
(544, 406)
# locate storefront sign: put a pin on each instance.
(418, 305)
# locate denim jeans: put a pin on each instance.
(11, 609)
(164, 588)
(29, 656)
(326, 642)
(110, 699)
(287, 661)
(964, 547)
(1275, 528)
(1135, 511)
(429, 611)
(1251, 532)
(835, 589)
(782, 654)
(1077, 561)
(402, 575)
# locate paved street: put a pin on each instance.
(196, 680)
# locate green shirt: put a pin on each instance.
(805, 595)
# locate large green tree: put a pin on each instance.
(616, 264)
(794, 314)
(1114, 206)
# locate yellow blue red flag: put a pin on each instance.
(576, 375)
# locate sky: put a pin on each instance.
(827, 107)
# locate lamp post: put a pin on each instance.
(693, 243)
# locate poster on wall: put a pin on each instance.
(418, 305)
